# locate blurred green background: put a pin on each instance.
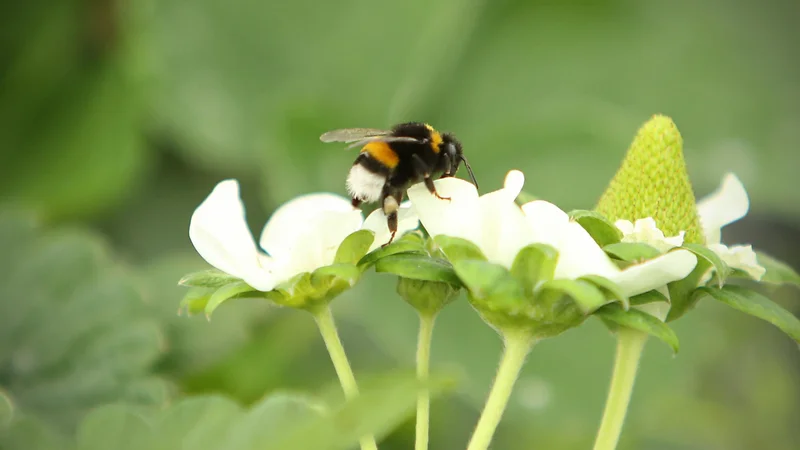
(117, 118)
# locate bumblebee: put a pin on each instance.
(392, 160)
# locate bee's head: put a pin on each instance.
(452, 148)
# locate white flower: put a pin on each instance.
(726, 205)
(646, 231)
(301, 236)
(500, 229)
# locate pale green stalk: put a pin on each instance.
(630, 344)
(327, 328)
(517, 346)
(426, 322)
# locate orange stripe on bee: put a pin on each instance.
(436, 138)
(383, 153)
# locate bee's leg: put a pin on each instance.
(422, 170)
(447, 165)
(390, 203)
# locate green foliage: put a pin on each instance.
(533, 265)
(778, 272)
(354, 247)
(638, 320)
(632, 251)
(457, 249)
(418, 267)
(752, 303)
(74, 331)
(409, 243)
(721, 270)
(279, 421)
(212, 278)
(602, 230)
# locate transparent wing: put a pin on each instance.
(352, 134)
(366, 141)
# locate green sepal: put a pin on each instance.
(610, 289)
(418, 267)
(195, 300)
(457, 249)
(602, 230)
(534, 264)
(778, 272)
(225, 293)
(632, 252)
(585, 294)
(721, 269)
(494, 293)
(753, 303)
(354, 247)
(427, 297)
(614, 315)
(681, 291)
(212, 278)
(648, 297)
(410, 243)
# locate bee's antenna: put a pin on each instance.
(469, 169)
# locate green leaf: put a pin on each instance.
(632, 251)
(648, 297)
(409, 243)
(778, 272)
(639, 320)
(199, 423)
(681, 291)
(63, 166)
(418, 267)
(91, 337)
(114, 426)
(354, 247)
(225, 293)
(584, 293)
(383, 404)
(598, 226)
(752, 303)
(534, 264)
(457, 249)
(712, 258)
(271, 420)
(609, 288)
(208, 278)
(6, 410)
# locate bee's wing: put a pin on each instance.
(352, 134)
(366, 141)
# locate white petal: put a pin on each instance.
(579, 255)
(547, 221)
(513, 183)
(626, 226)
(504, 230)
(655, 273)
(740, 257)
(457, 217)
(407, 220)
(645, 231)
(305, 216)
(727, 204)
(220, 235)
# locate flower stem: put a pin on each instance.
(630, 344)
(426, 322)
(327, 328)
(517, 346)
